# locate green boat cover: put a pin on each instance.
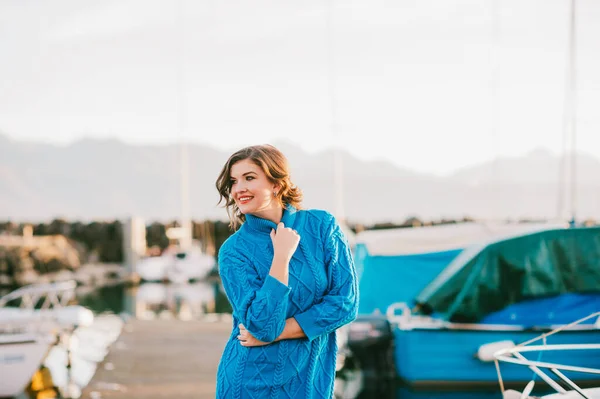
(491, 277)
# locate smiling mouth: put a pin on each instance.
(244, 200)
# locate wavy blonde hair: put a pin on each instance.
(275, 166)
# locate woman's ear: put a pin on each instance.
(276, 189)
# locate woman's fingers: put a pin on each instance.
(246, 339)
(243, 335)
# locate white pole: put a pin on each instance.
(186, 225)
(573, 106)
(568, 167)
(338, 163)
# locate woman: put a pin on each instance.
(290, 278)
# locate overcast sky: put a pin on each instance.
(426, 84)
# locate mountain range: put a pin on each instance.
(108, 179)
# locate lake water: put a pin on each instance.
(152, 300)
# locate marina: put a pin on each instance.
(170, 343)
(462, 260)
(164, 339)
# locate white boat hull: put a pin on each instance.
(194, 265)
(21, 355)
(154, 268)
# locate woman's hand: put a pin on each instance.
(285, 241)
(246, 339)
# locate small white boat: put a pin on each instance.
(153, 268)
(177, 266)
(514, 354)
(192, 264)
(28, 332)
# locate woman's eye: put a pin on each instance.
(249, 177)
(232, 182)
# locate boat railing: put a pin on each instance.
(514, 354)
(46, 295)
(400, 315)
(43, 307)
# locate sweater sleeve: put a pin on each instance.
(260, 306)
(339, 306)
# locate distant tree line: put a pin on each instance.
(103, 241)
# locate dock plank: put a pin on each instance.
(162, 359)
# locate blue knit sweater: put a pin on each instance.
(322, 296)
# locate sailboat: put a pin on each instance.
(177, 264)
(184, 260)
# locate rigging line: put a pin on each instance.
(559, 329)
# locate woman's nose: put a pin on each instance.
(240, 188)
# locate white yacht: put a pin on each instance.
(177, 265)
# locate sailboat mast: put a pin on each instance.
(338, 162)
(494, 61)
(573, 106)
(568, 163)
(185, 240)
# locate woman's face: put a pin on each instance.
(251, 190)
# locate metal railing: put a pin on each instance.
(514, 355)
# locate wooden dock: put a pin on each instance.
(162, 359)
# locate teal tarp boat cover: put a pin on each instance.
(484, 280)
(389, 279)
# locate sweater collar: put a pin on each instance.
(265, 225)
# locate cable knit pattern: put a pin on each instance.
(322, 295)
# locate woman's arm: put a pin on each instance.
(339, 306)
(260, 305)
(291, 330)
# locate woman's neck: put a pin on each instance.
(265, 222)
(274, 215)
